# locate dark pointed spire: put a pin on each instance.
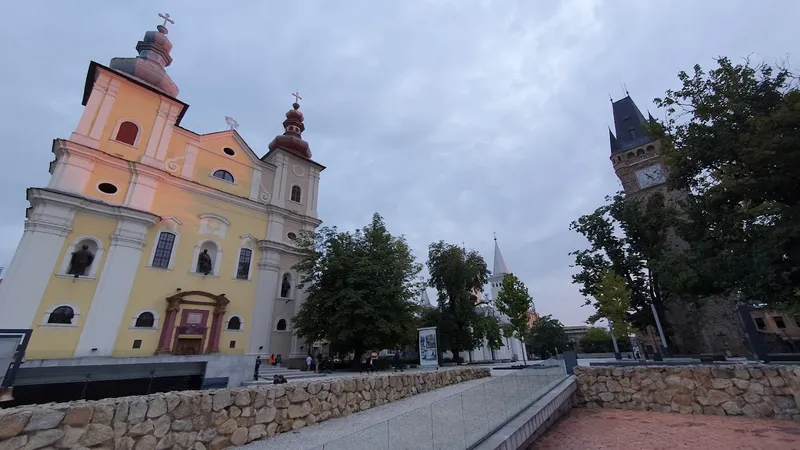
(612, 140)
(629, 124)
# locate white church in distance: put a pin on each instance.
(512, 348)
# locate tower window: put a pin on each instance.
(281, 325)
(127, 133)
(640, 152)
(232, 344)
(296, 194)
(137, 343)
(163, 250)
(107, 188)
(779, 322)
(228, 151)
(223, 175)
(760, 324)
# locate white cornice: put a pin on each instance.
(164, 177)
(73, 202)
(265, 244)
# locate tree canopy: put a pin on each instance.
(458, 276)
(360, 287)
(732, 139)
(547, 336)
(596, 340)
(514, 301)
(612, 301)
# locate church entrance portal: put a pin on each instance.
(186, 330)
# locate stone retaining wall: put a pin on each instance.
(212, 419)
(749, 390)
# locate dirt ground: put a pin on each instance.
(590, 429)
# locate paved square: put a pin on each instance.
(589, 429)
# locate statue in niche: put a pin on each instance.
(286, 286)
(204, 263)
(80, 261)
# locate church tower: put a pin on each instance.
(499, 270)
(708, 326)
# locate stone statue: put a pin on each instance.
(204, 263)
(286, 285)
(80, 261)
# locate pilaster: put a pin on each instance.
(105, 110)
(71, 173)
(264, 302)
(33, 263)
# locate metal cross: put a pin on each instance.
(297, 97)
(166, 18)
(232, 123)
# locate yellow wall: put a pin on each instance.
(138, 105)
(120, 178)
(54, 341)
(153, 285)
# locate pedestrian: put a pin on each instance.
(272, 359)
(278, 360)
(258, 365)
(309, 360)
(396, 359)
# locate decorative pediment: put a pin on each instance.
(214, 225)
(171, 223)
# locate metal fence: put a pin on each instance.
(462, 420)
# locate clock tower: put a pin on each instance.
(709, 326)
(636, 157)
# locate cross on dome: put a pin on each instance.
(166, 18)
(297, 97)
(232, 123)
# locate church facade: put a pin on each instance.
(153, 239)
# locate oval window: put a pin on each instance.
(291, 235)
(228, 151)
(107, 188)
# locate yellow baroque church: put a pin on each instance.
(153, 243)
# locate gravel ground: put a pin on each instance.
(594, 429)
(343, 428)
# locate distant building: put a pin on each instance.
(576, 333)
(780, 332)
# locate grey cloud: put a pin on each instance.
(453, 119)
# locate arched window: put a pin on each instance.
(235, 323)
(631, 155)
(650, 148)
(62, 315)
(640, 152)
(296, 194)
(223, 175)
(145, 320)
(281, 326)
(127, 133)
(243, 268)
(286, 285)
(163, 253)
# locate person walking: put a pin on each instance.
(258, 365)
(278, 360)
(309, 360)
(396, 360)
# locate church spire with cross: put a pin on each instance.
(292, 137)
(499, 270)
(154, 57)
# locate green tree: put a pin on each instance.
(732, 140)
(457, 275)
(596, 340)
(630, 237)
(360, 286)
(514, 301)
(613, 301)
(547, 336)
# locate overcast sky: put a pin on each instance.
(452, 118)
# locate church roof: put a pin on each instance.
(629, 124)
(499, 267)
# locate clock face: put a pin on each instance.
(651, 176)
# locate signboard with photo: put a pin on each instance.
(428, 347)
